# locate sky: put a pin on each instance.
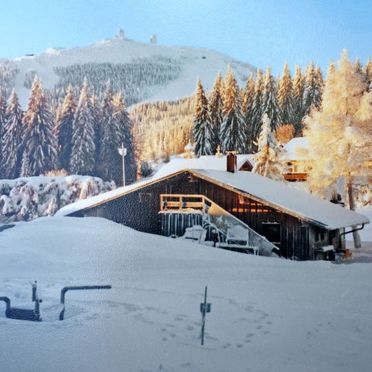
(262, 33)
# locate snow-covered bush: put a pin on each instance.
(25, 199)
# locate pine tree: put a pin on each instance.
(2, 130)
(232, 129)
(268, 160)
(285, 96)
(12, 148)
(107, 136)
(248, 113)
(63, 129)
(202, 130)
(298, 107)
(319, 83)
(368, 72)
(269, 101)
(215, 109)
(358, 67)
(257, 109)
(83, 148)
(339, 134)
(313, 89)
(125, 137)
(98, 128)
(39, 153)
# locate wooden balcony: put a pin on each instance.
(295, 177)
(183, 202)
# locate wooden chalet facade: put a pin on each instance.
(243, 196)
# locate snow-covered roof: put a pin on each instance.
(295, 202)
(203, 162)
(101, 198)
(295, 144)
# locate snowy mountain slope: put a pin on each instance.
(267, 314)
(194, 62)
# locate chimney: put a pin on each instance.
(231, 159)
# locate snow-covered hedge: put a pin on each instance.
(27, 198)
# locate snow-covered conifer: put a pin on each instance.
(285, 96)
(2, 129)
(248, 113)
(125, 137)
(83, 148)
(368, 72)
(13, 139)
(269, 100)
(39, 151)
(298, 107)
(257, 108)
(268, 160)
(202, 129)
(107, 137)
(97, 125)
(63, 128)
(312, 98)
(215, 109)
(232, 129)
(339, 134)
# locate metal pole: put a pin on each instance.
(203, 316)
(123, 162)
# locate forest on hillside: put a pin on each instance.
(79, 128)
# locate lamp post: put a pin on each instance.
(123, 151)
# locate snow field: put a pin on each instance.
(267, 314)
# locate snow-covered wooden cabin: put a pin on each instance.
(238, 210)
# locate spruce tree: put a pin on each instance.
(83, 148)
(269, 100)
(268, 160)
(248, 113)
(298, 106)
(285, 96)
(368, 72)
(257, 109)
(12, 148)
(312, 98)
(125, 137)
(98, 128)
(39, 152)
(215, 109)
(319, 83)
(2, 130)
(232, 129)
(106, 137)
(202, 128)
(63, 128)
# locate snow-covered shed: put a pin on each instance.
(239, 210)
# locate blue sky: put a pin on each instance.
(262, 32)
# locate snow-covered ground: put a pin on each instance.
(267, 314)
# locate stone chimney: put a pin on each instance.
(231, 161)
